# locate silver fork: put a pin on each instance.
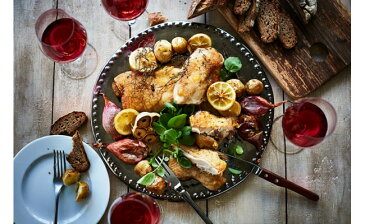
(59, 168)
(176, 185)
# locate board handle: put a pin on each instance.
(282, 182)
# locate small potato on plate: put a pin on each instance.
(142, 168)
(163, 51)
(179, 44)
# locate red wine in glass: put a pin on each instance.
(125, 10)
(308, 121)
(64, 40)
(134, 208)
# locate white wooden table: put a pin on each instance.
(43, 94)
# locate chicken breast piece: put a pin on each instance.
(200, 71)
(213, 128)
(147, 92)
(211, 182)
(206, 160)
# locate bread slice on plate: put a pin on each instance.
(68, 124)
(247, 21)
(78, 157)
(287, 35)
(268, 20)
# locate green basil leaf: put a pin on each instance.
(159, 128)
(147, 179)
(233, 64)
(184, 162)
(170, 136)
(234, 171)
(224, 74)
(186, 130)
(177, 121)
(170, 106)
(239, 150)
(188, 109)
(160, 171)
(187, 140)
(164, 119)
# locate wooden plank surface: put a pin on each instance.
(297, 70)
(43, 93)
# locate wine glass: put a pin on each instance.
(64, 40)
(135, 207)
(126, 12)
(307, 122)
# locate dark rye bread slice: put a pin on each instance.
(68, 124)
(77, 157)
(247, 21)
(268, 20)
(241, 6)
(287, 35)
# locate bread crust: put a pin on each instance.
(68, 124)
(78, 157)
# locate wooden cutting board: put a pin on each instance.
(323, 48)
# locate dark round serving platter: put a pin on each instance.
(224, 43)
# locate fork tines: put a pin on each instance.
(59, 163)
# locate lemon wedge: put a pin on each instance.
(143, 60)
(221, 95)
(199, 40)
(124, 120)
(233, 111)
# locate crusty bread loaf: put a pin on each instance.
(268, 20)
(199, 7)
(287, 35)
(77, 157)
(247, 21)
(68, 124)
(241, 6)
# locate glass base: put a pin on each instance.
(82, 67)
(121, 30)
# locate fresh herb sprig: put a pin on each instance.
(231, 66)
(234, 151)
(173, 129)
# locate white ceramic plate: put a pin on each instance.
(34, 191)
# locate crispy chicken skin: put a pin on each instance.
(147, 92)
(201, 70)
(210, 129)
(184, 84)
(211, 182)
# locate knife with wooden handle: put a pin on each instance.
(277, 179)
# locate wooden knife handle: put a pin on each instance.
(282, 182)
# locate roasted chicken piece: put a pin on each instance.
(205, 159)
(147, 92)
(211, 130)
(200, 71)
(211, 182)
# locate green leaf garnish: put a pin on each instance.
(177, 121)
(239, 150)
(160, 171)
(169, 136)
(224, 74)
(186, 130)
(233, 64)
(234, 171)
(147, 179)
(170, 106)
(184, 162)
(164, 119)
(159, 128)
(187, 140)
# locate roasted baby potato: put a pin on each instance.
(142, 168)
(82, 191)
(163, 51)
(179, 44)
(71, 177)
(143, 60)
(158, 186)
(254, 87)
(238, 86)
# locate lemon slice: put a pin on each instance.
(221, 95)
(199, 40)
(233, 111)
(143, 60)
(124, 120)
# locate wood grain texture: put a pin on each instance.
(295, 70)
(33, 76)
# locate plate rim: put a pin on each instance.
(248, 53)
(101, 169)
